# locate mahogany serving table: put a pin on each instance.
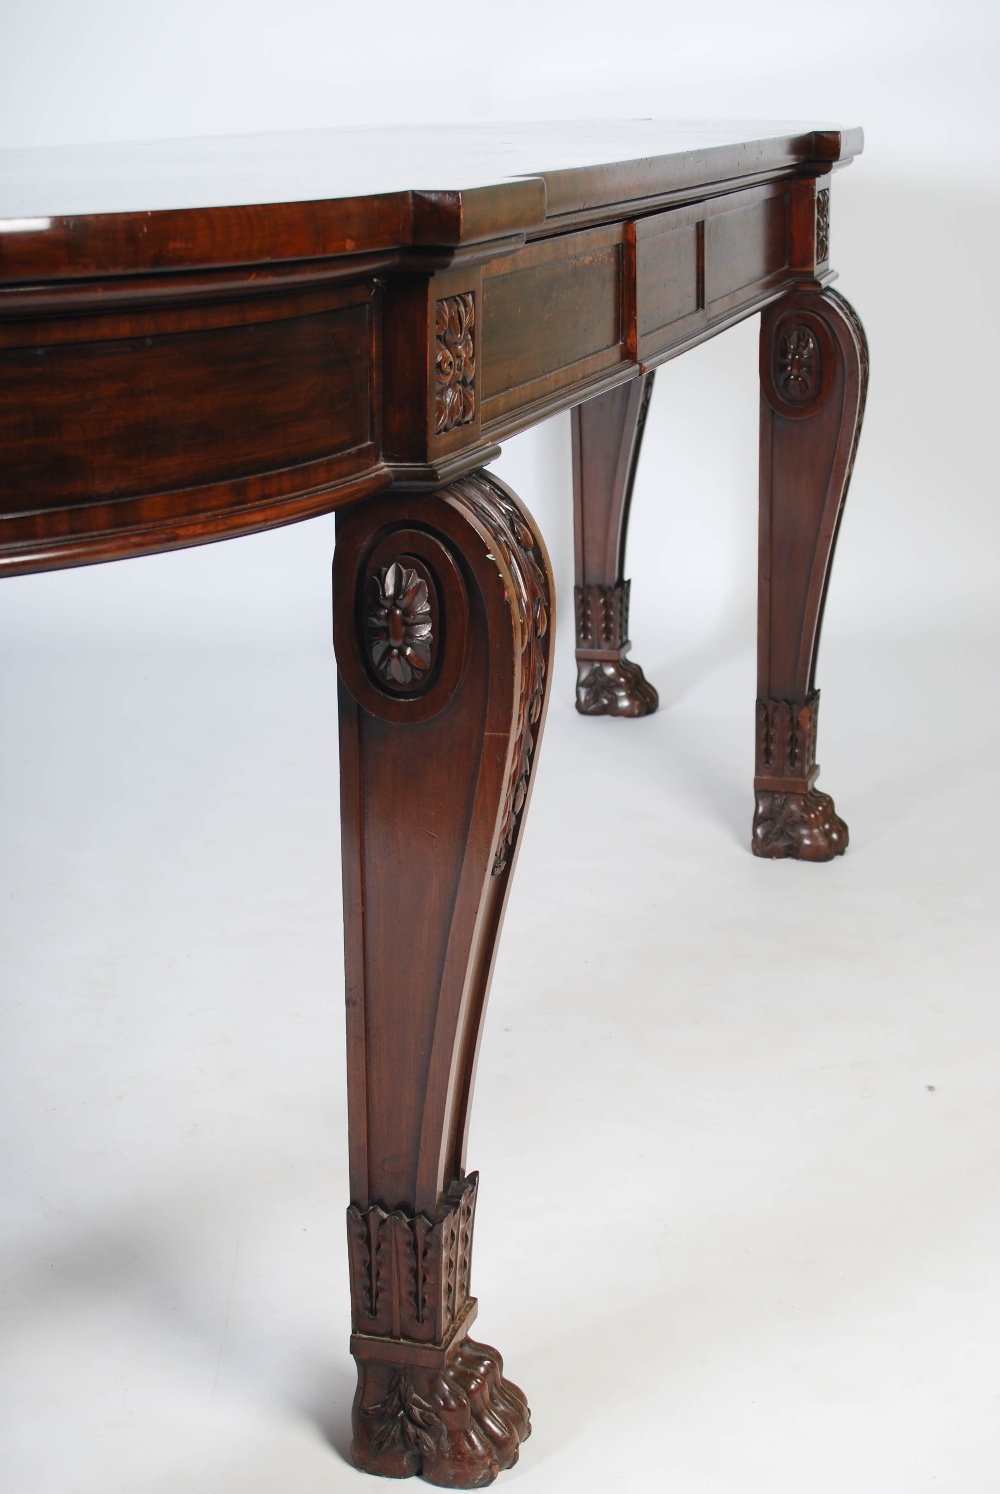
(207, 338)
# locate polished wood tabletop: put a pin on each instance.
(203, 338)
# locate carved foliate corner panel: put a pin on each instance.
(455, 362)
(822, 225)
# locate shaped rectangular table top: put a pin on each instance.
(119, 208)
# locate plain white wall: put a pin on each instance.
(913, 222)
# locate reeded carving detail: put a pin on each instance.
(804, 826)
(398, 625)
(602, 616)
(822, 225)
(457, 1425)
(786, 736)
(520, 550)
(798, 373)
(455, 362)
(409, 1277)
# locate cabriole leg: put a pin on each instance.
(814, 373)
(443, 628)
(607, 435)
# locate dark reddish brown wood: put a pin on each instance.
(181, 360)
(187, 354)
(443, 628)
(607, 436)
(814, 375)
(244, 398)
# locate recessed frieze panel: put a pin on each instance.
(552, 313)
(702, 266)
(745, 246)
(667, 272)
(130, 416)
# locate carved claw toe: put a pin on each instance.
(804, 826)
(456, 1427)
(614, 688)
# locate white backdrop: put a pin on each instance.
(742, 1114)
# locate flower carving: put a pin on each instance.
(403, 1417)
(400, 640)
(823, 225)
(798, 365)
(455, 363)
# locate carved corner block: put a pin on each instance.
(822, 225)
(608, 684)
(455, 335)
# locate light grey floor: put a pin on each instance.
(737, 1122)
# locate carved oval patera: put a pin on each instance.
(399, 625)
(799, 369)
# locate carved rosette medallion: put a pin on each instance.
(798, 373)
(399, 626)
(822, 225)
(455, 362)
(792, 817)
